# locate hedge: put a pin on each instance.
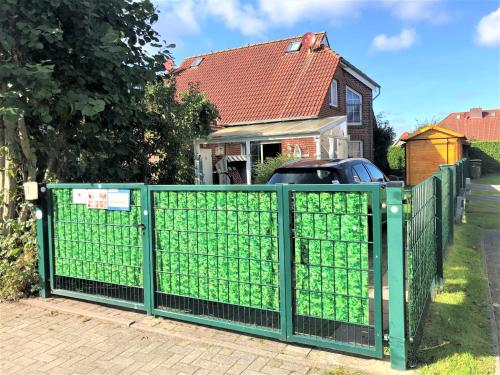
(396, 159)
(489, 153)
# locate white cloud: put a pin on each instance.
(288, 12)
(236, 16)
(418, 10)
(405, 39)
(488, 30)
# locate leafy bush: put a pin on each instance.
(383, 137)
(396, 159)
(264, 171)
(489, 153)
(18, 259)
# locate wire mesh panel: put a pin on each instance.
(420, 247)
(96, 251)
(334, 294)
(216, 255)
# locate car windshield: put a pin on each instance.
(304, 176)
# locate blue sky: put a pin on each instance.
(431, 57)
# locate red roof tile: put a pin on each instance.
(486, 128)
(262, 81)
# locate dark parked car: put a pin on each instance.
(342, 171)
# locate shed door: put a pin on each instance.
(424, 158)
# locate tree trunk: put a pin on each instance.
(3, 151)
(8, 189)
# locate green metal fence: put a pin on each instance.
(299, 263)
(420, 225)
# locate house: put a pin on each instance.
(476, 124)
(294, 96)
(400, 140)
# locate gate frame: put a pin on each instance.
(50, 239)
(279, 334)
(374, 189)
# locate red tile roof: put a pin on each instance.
(262, 81)
(486, 128)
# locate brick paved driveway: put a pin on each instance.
(61, 336)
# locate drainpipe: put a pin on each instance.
(317, 140)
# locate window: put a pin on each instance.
(293, 46)
(334, 94)
(304, 176)
(377, 175)
(196, 62)
(353, 107)
(355, 149)
(360, 172)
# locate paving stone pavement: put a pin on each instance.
(64, 336)
(491, 249)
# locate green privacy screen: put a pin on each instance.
(97, 251)
(216, 254)
(331, 266)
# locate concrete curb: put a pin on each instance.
(495, 325)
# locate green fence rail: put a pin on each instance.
(299, 263)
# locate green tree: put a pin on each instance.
(72, 76)
(383, 137)
(173, 125)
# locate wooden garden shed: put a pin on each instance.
(428, 148)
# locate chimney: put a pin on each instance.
(476, 113)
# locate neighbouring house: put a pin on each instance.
(294, 96)
(399, 141)
(476, 124)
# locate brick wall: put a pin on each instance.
(357, 132)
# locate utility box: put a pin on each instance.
(428, 148)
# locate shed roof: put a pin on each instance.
(432, 127)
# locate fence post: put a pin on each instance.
(147, 250)
(439, 228)
(42, 242)
(396, 276)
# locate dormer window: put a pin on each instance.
(294, 46)
(196, 62)
(334, 94)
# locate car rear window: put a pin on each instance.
(304, 176)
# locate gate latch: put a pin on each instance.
(142, 226)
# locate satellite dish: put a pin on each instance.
(168, 65)
(308, 40)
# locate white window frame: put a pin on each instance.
(334, 95)
(360, 106)
(296, 44)
(360, 149)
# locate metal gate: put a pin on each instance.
(295, 263)
(334, 266)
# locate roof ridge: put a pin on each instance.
(249, 45)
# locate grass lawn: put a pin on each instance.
(457, 333)
(490, 179)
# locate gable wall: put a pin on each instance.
(362, 132)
